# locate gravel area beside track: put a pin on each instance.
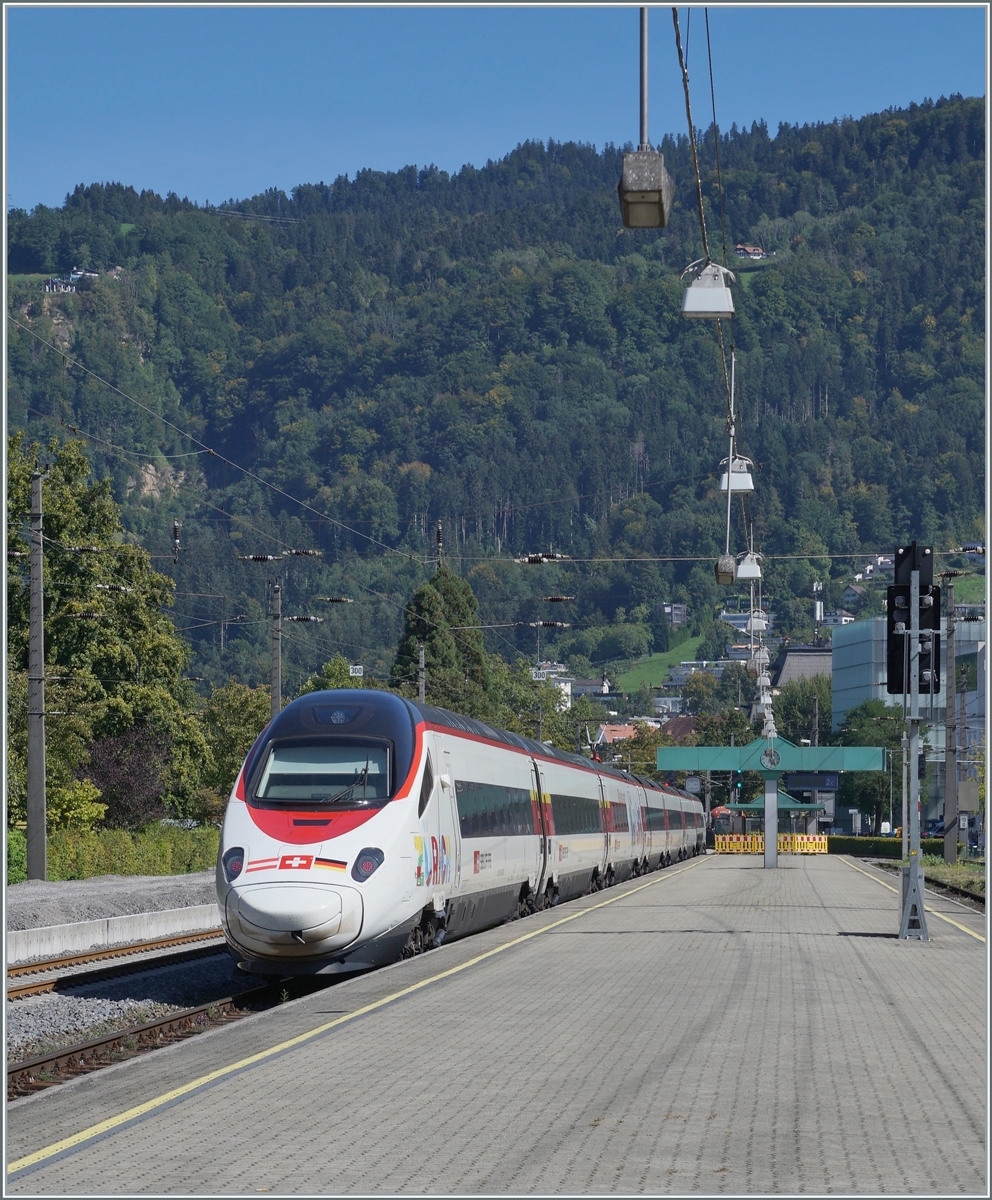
(41, 1024)
(38, 903)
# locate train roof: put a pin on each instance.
(316, 710)
(452, 720)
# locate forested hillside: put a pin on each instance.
(492, 351)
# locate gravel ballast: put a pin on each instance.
(37, 904)
(42, 1024)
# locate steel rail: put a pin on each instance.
(52, 983)
(23, 1077)
(15, 970)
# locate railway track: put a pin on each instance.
(52, 982)
(75, 960)
(37, 1074)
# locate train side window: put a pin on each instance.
(426, 787)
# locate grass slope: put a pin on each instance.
(653, 670)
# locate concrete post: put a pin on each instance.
(771, 822)
(36, 800)
(276, 685)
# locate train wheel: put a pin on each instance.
(550, 896)
(414, 943)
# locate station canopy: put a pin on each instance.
(786, 803)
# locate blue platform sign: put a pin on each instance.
(812, 781)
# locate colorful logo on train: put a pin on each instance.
(433, 859)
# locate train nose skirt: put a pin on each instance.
(295, 917)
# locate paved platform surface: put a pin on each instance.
(714, 1028)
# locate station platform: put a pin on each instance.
(711, 1028)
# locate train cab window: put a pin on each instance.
(346, 773)
(426, 787)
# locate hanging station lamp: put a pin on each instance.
(726, 570)
(739, 477)
(646, 189)
(708, 295)
(749, 568)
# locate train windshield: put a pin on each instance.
(340, 772)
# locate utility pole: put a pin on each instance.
(950, 736)
(814, 738)
(963, 725)
(422, 678)
(276, 685)
(914, 921)
(905, 796)
(36, 811)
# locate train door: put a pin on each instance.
(604, 809)
(449, 833)
(542, 827)
(638, 825)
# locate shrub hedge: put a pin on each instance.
(161, 850)
(17, 856)
(879, 847)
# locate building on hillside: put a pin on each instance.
(677, 614)
(800, 662)
(744, 251)
(854, 593)
(668, 706)
(679, 728)
(591, 687)
(677, 676)
(837, 617)
(859, 674)
(611, 733)
(739, 620)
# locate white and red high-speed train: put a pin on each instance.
(364, 827)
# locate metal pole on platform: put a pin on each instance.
(904, 743)
(37, 816)
(950, 739)
(914, 922)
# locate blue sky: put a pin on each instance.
(223, 102)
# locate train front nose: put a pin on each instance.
(296, 919)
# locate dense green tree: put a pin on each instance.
(485, 350)
(108, 642)
(793, 709)
(873, 723)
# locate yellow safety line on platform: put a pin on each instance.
(940, 916)
(140, 1110)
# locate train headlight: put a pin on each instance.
(368, 860)
(233, 863)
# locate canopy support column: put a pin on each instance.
(771, 822)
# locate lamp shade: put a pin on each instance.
(749, 567)
(646, 190)
(725, 570)
(739, 477)
(708, 296)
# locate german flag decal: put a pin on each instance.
(330, 864)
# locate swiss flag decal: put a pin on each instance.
(295, 862)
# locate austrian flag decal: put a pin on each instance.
(296, 862)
